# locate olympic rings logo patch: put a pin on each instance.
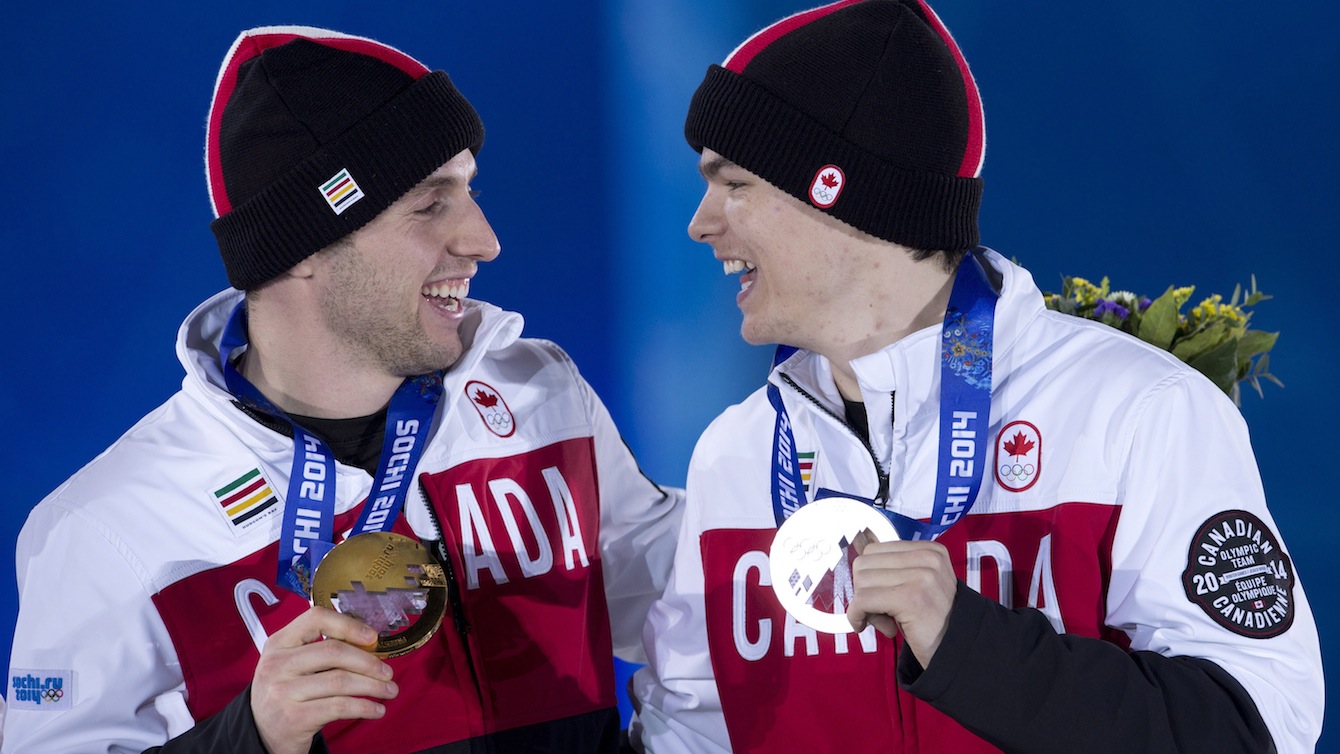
(492, 408)
(1017, 473)
(1018, 456)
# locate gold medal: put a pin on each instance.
(388, 581)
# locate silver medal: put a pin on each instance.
(811, 556)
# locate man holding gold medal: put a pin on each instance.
(374, 518)
(952, 521)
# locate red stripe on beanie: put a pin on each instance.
(976, 146)
(740, 58)
(252, 43)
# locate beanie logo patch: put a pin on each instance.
(341, 191)
(826, 186)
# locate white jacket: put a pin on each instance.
(1114, 469)
(146, 600)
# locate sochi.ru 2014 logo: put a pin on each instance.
(40, 689)
(1018, 456)
(491, 407)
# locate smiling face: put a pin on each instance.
(801, 268)
(392, 292)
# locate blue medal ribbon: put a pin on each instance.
(788, 489)
(307, 531)
(965, 413)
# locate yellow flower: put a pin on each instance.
(1214, 308)
(1208, 308)
(1086, 293)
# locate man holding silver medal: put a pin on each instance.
(375, 518)
(929, 532)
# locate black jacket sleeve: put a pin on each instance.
(231, 731)
(1007, 676)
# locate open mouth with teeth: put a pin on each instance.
(447, 294)
(734, 266)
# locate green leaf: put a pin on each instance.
(1255, 342)
(1203, 341)
(1220, 364)
(1263, 370)
(1158, 323)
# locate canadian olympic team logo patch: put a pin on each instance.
(1237, 573)
(491, 407)
(826, 186)
(1018, 456)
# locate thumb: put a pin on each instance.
(862, 540)
(857, 618)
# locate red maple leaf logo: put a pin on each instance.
(484, 399)
(829, 179)
(1018, 445)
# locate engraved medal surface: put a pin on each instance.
(811, 556)
(388, 581)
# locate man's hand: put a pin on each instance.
(313, 672)
(903, 586)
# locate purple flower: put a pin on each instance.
(1106, 307)
(1145, 301)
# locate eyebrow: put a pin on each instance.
(433, 182)
(714, 166)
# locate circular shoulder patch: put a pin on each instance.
(1238, 574)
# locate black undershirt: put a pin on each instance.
(354, 442)
(855, 413)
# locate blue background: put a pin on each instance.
(1153, 143)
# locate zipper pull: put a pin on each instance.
(882, 497)
(440, 550)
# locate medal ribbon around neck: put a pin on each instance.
(307, 531)
(965, 413)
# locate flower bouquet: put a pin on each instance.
(1213, 337)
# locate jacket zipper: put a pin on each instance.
(882, 497)
(463, 627)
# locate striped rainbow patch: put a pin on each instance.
(246, 497)
(806, 468)
(341, 191)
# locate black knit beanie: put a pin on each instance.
(313, 133)
(865, 109)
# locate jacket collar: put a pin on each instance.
(909, 368)
(486, 328)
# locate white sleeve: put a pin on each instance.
(680, 706)
(93, 668)
(1190, 464)
(638, 523)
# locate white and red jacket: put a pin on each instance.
(147, 580)
(1122, 584)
